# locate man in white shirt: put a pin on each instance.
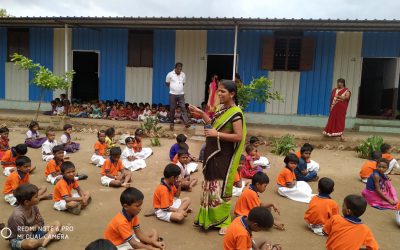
(175, 81)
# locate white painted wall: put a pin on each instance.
(17, 83)
(138, 84)
(191, 49)
(59, 55)
(348, 65)
(287, 84)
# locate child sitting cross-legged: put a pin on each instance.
(65, 139)
(174, 148)
(191, 166)
(8, 160)
(33, 138)
(347, 231)
(250, 168)
(394, 167)
(140, 151)
(19, 177)
(112, 171)
(124, 230)
(250, 198)
(48, 145)
(307, 169)
(128, 156)
(4, 140)
(187, 182)
(238, 183)
(321, 207)
(369, 166)
(100, 149)
(26, 224)
(64, 199)
(166, 203)
(259, 160)
(239, 233)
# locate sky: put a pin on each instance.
(333, 9)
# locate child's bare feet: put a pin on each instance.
(189, 210)
(279, 226)
(125, 185)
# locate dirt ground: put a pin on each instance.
(342, 166)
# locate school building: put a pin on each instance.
(127, 58)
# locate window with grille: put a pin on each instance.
(140, 48)
(17, 42)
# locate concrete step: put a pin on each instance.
(379, 129)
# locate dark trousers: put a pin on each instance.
(177, 101)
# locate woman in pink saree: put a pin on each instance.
(213, 100)
(340, 98)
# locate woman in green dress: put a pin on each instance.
(225, 136)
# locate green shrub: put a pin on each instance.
(150, 127)
(283, 145)
(371, 144)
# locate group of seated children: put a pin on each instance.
(65, 142)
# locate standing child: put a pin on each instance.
(288, 186)
(100, 149)
(19, 177)
(33, 139)
(348, 232)
(369, 166)
(27, 216)
(4, 146)
(112, 171)
(166, 203)
(259, 160)
(239, 233)
(140, 151)
(8, 160)
(48, 145)
(124, 230)
(174, 148)
(128, 156)
(379, 191)
(64, 199)
(239, 184)
(187, 182)
(65, 139)
(110, 134)
(250, 168)
(307, 169)
(394, 167)
(321, 207)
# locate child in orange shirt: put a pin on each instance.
(369, 166)
(321, 207)
(113, 172)
(394, 167)
(348, 232)
(187, 182)
(140, 151)
(8, 160)
(288, 186)
(238, 183)
(250, 198)
(53, 167)
(64, 199)
(124, 231)
(239, 233)
(166, 203)
(100, 149)
(4, 146)
(19, 177)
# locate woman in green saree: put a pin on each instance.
(225, 136)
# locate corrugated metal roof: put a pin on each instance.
(206, 23)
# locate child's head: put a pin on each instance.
(306, 150)
(27, 195)
(101, 135)
(291, 161)
(23, 164)
(382, 165)
(131, 200)
(138, 134)
(110, 132)
(171, 173)
(251, 150)
(183, 156)
(178, 109)
(260, 218)
(4, 132)
(115, 153)
(376, 155)
(101, 244)
(354, 205)
(181, 138)
(67, 128)
(242, 162)
(254, 141)
(21, 149)
(50, 134)
(260, 181)
(33, 126)
(68, 170)
(129, 141)
(58, 152)
(183, 146)
(386, 148)
(325, 185)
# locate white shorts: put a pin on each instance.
(165, 215)
(364, 180)
(317, 229)
(53, 179)
(105, 180)
(61, 205)
(7, 170)
(126, 245)
(10, 198)
(238, 191)
(97, 160)
(398, 217)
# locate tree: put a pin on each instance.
(258, 90)
(42, 77)
(3, 13)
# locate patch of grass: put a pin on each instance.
(283, 145)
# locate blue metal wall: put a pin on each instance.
(220, 41)
(40, 51)
(163, 63)
(381, 44)
(3, 59)
(249, 50)
(113, 47)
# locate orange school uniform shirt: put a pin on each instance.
(247, 201)
(52, 167)
(63, 189)
(9, 158)
(14, 180)
(348, 234)
(388, 157)
(367, 168)
(100, 147)
(119, 230)
(320, 210)
(164, 195)
(238, 235)
(137, 147)
(286, 175)
(111, 167)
